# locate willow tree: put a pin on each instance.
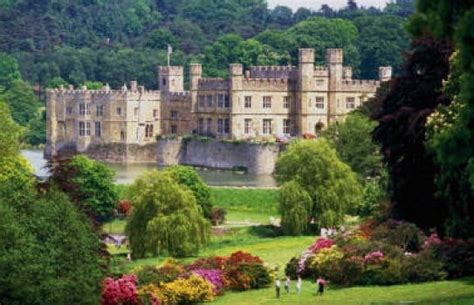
(295, 208)
(332, 185)
(165, 220)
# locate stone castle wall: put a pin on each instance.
(257, 158)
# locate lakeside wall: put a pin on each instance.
(256, 158)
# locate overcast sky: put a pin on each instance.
(316, 4)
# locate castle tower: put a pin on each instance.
(305, 85)
(334, 60)
(171, 79)
(385, 73)
(195, 74)
(51, 125)
(236, 77)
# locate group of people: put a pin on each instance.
(320, 286)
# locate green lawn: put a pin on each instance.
(247, 204)
(459, 292)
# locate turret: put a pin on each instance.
(171, 79)
(334, 60)
(305, 85)
(385, 73)
(195, 74)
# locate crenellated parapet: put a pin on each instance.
(103, 94)
(284, 72)
(179, 97)
(213, 84)
(268, 84)
(321, 71)
(359, 85)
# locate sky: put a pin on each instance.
(316, 4)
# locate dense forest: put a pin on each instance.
(46, 43)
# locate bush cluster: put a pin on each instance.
(390, 253)
(200, 281)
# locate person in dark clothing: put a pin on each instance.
(321, 283)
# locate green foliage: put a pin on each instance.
(22, 101)
(295, 208)
(56, 82)
(36, 133)
(9, 70)
(189, 178)
(49, 253)
(332, 185)
(90, 184)
(165, 219)
(93, 85)
(10, 133)
(375, 195)
(354, 145)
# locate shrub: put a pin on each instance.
(423, 267)
(326, 261)
(457, 256)
(248, 276)
(170, 271)
(213, 262)
(193, 289)
(388, 272)
(218, 216)
(124, 206)
(292, 269)
(405, 235)
(240, 257)
(213, 276)
(121, 291)
(148, 295)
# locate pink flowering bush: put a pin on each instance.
(120, 292)
(374, 257)
(321, 243)
(213, 276)
(433, 239)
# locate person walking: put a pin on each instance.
(287, 284)
(277, 288)
(321, 283)
(298, 285)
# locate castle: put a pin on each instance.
(264, 102)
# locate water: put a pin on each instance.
(126, 173)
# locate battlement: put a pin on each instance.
(104, 93)
(321, 71)
(268, 84)
(180, 97)
(360, 85)
(347, 73)
(334, 56)
(284, 72)
(213, 84)
(171, 70)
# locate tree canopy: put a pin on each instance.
(165, 218)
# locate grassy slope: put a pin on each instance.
(246, 204)
(460, 292)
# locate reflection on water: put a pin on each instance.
(126, 173)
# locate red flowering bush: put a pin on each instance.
(240, 257)
(124, 206)
(121, 291)
(213, 262)
(321, 243)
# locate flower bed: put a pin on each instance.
(390, 253)
(175, 283)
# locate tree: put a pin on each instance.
(90, 185)
(295, 208)
(21, 100)
(354, 145)
(9, 70)
(165, 218)
(332, 185)
(282, 16)
(402, 114)
(10, 133)
(189, 178)
(36, 133)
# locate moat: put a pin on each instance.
(126, 173)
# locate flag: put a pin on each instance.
(170, 49)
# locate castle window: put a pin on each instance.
(223, 126)
(248, 126)
(248, 102)
(122, 135)
(88, 109)
(286, 127)
(320, 82)
(82, 109)
(174, 115)
(155, 113)
(148, 131)
(209, 101)
(99, 111)
(319, 102)
(164, 82)
(69, 110)
(88, 129)
(201, 101)
(350, 103)
(226, 101)
(82, 129)
(267, 102)
(286, 102)
(119, 111)
(201, 125)
(98, 129)
(220, 100)
(209, 125)
(174, 129)
(267, 126)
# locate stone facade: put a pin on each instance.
(263, 102)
